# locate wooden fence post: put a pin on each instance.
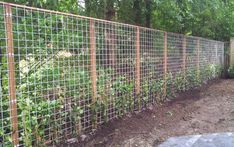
(184, 59)
(93, 60)
(138, 62)
(216, 53)
(11, 72)
(93, 72)
(198, 59)
(231, 58)
(224, 54)
(165, 65)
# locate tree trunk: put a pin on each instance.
(110, 36)
(148, 13)
(88, 7)
(137, 12)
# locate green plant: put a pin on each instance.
(145, 91)
(179, 81)
(218, 70)
(169, 82)
(192, 78)
(123, 91)
(44, 99)
(76, 113)
(158, 89)
(231, 71)
(100, 106)
(210, 71)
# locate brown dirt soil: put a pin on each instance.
(208, 109)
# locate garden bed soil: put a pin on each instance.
(208, 109)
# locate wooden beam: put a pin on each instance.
(216, 53)
(184, 58)
(138, 76)
(165, 65)
(93, 60)
(198, 59)
(11, 72)
(231, 62)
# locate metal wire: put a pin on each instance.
(74, 73)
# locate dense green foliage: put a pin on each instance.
(210, 19)
(231, 71)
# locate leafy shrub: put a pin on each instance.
(123, 89)
(157, 87)
(39, 109)
(179, 82)
(100, 106)
(169, 82)
(210, 71)
(192, 79)
(231, 71)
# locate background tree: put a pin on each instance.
(211, 19)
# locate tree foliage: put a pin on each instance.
(211, 19)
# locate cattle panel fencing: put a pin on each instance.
(63, 75)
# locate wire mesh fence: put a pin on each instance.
(63, 75)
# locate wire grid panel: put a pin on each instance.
(152, 69)
(174, 59)
(74, 73)
(175, 52)
(220, 54)
(52, 74)
(191, 52)
(213, 52)
(191, 61)
(115, 49)
(205, 58)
